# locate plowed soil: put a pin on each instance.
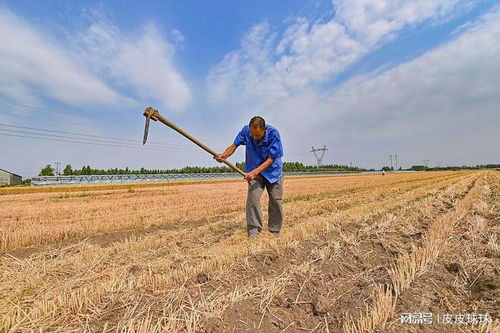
(357, 253)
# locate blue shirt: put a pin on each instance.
(258, 152)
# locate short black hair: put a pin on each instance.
(257, 122)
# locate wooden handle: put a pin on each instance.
(155, 115)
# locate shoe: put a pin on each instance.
(277, 234)
(253, 234)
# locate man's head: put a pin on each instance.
(257, 128)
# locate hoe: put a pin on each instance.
(151, 113)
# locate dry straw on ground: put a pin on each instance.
(175, 258)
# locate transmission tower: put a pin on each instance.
(426, 162)
(319, 157)
(396, 160)
(390, 156)
(57, 168)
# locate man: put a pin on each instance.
(264, 170)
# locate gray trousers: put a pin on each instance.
(275, 209)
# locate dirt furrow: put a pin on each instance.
(463, 287)
(243, 278)
(411, 266)
(125, 290)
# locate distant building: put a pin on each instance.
(9, 178)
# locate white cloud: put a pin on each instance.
(372, 21)
(248, 64)
(29, 61)
(442, 106)
(456, 80)
(270, 68)
(99, 66)
(178, 36)
(143, 62)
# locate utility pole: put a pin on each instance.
(319, 158)
(390, 156)
(57, 167)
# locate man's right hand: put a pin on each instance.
(220, 158)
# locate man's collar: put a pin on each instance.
(264, 139)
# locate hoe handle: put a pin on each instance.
(155, 115)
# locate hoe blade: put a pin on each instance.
(146, 129)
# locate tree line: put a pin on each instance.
(454, 167)
(48, 170)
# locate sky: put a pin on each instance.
(366, 78)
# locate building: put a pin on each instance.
(9, 178)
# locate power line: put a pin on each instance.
(95, 136)
(68, 111)
(50, 138)
(117, 144)
(45, 118)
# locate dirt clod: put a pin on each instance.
(454, 267)
(321, 305)
(51, 256)
(214, 325)
(202, 278)
(134, 269)
(288, 303)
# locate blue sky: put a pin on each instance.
(213, 28)
(367, 78)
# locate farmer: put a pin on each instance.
(264, 170)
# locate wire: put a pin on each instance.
(66, 137)
(96, 136)
(111, 120)
(56, 111)
(51, 138)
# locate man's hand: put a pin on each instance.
(220, 158)
(228, 152)
(251, 175)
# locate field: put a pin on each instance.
(357, 252)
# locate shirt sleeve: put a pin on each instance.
(276, 148)
(240, 138)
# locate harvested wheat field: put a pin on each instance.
(358, 251)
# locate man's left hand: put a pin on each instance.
(251, 175)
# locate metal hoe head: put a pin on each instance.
(149, 113)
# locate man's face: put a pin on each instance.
(257, 133)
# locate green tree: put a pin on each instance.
(418, 167)
(68, 170)
(47, 171)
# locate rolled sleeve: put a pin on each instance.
(275, 148)
(240, 138)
